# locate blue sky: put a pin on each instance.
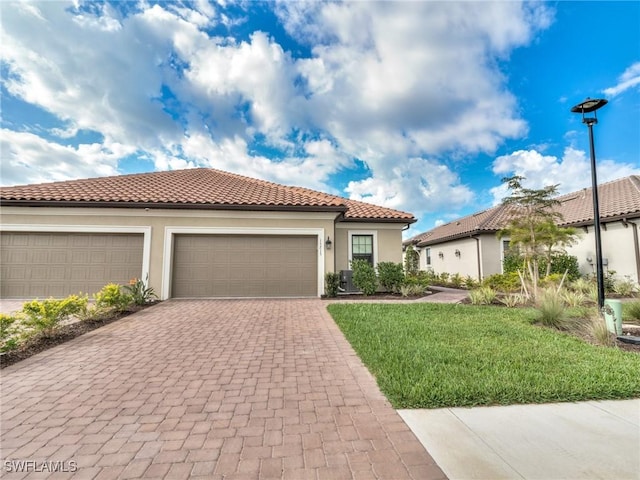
(419, 106)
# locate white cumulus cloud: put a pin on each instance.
(572, 172)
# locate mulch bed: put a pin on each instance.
(63, 334)
(375, 296)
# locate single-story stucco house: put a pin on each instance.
(192, 233)
(469, 246)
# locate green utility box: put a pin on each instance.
(613, 315)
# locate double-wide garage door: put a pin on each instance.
(40, 265)
(245, 266)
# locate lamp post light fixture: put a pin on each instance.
(589, 106)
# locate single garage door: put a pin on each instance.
(40, 265)
(245, 266)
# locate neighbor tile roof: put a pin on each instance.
(203, 188)
(617, 199)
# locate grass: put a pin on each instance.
(432, 355)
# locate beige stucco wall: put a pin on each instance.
(618, 248)
(159, 223)
(387, 242)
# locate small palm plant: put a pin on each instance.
(140, 293)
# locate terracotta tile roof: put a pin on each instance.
(203, 188)
(617, 199)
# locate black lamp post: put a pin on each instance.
(589, 106)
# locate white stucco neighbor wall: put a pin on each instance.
(618, 249)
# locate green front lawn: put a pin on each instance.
(436, 355)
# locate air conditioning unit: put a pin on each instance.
(346, 282)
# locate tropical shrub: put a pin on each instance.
(332, 284)
(512, 300)
(582, 285)
(470, 282)
(46, 315)
(390, 276)
(560, 263)
(503, 282)
(140, 293)
(573, 298)
(411, 261)
(482, 296)
(364, 276)
(111, 297)
(407, 290)
(625, 287)
(422, 278)
(443, 278)
(7, 330)
(456, 280)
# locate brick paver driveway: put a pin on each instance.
(213, 388)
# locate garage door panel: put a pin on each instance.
(58, 264)
(244, 266)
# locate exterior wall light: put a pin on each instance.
(458, 253)
(440, 255)
(328, 243)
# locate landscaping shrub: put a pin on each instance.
(364, 276)
(551, 310)
(332, 284)
(632, 310)
(140, 293)
(625, 287)
(411, 261)
(470, 282)
(422, 278)
(609, 280)
(573, 298)
(560, 263)
(482, 296)
(407, 290)
(111, 297)
(512, 300)
(6, 332)
(503, 282)
(456, 280)
(390, 276)
(582, 285)
(46, 315)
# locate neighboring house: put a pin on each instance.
(469, 246)
(192, 233)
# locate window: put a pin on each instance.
(505, 248)
(362, 248)
(427, 253)
(505, 251)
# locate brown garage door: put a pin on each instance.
(245, 266)
(59, 264)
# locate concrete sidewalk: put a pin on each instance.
(582, 441)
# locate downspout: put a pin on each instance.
(636, 247)
(477, 239)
